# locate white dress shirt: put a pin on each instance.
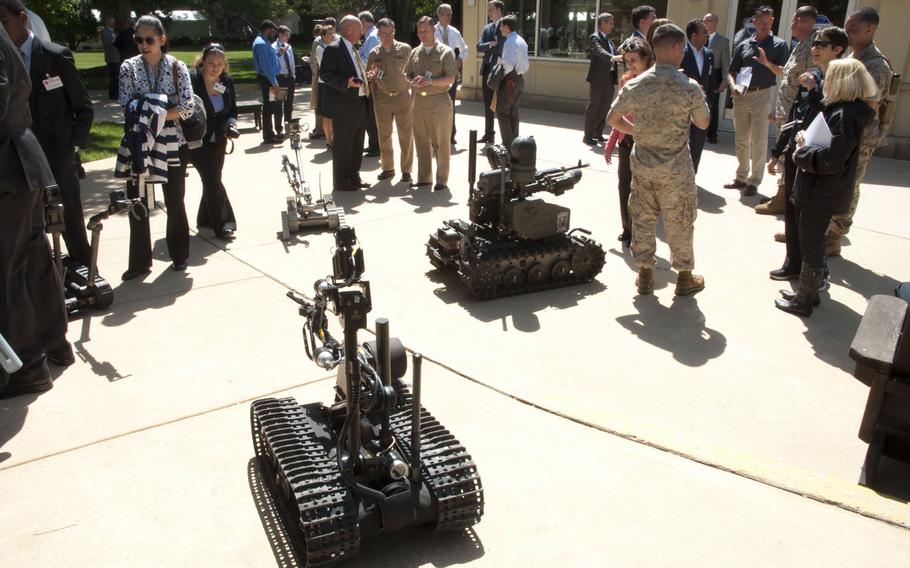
(282, 64)
(355, 57)
(515, 55)
(699, 57)
(370, 40)
(455, 41)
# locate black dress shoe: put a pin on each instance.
(386, 174)
(179, 266)
(225, 235)
(783, 274)
(61, 355)
(135, 273)
(600, 138)
(422, 184)
(440, 187)
(589, 141)
(368, 153)
(362, 185)
(750, 190)
(487, 139)
(735, 184)
(405, 178)
(16, 388)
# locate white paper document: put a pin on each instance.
(744, 77)
(818, 134)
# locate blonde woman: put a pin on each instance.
(825, 175)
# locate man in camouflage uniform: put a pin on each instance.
(802, 28)
(860, 28)
(664, 103)
(431, 70)
(391, 100)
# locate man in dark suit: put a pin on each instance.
(490, 44)
(344, 75)
(642, 18)
(698, 64)
(61, 119)
(29, 285)
(720, 45)
(601, 78)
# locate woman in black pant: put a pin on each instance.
(155, 72)
(825, 174)
(214, 86)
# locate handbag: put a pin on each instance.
(194, 126)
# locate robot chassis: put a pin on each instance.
(515, 243)
(83, 288)
(302, 212)
(373, 462)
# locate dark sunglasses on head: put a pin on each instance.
(149, 40)
(820, 43)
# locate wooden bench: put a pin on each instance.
(253, 108)
(881, 349)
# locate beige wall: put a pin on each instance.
(560, 84)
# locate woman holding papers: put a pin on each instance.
(826, 157)
(830, 44)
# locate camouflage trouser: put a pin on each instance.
(677, 202)
(840, 224)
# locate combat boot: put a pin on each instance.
(806, 292)
(780, 237)
(773, 207)
(688, 283)
(832, 244)
(645, 280)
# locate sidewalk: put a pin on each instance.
(608, 430)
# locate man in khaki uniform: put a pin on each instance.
(664, 103)
(391, 100)
(860, 28)
(802, 28)
(431, 71)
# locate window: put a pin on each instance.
(565, 26)
(526, 10)
(622, 15)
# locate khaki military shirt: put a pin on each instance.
(872, 58)
(799, 62)
(663, 102)
(389, 64)
(439, 62)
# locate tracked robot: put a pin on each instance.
(303, 213)
(515, 243)
(374, 461)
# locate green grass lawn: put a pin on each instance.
(94, 73)
(103, 141)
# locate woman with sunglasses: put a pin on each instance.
(215, 87)
(155, 72)
(829, 44)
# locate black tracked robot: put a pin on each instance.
(302, 212)
(515, 243)
(374, 461)
(83, 287)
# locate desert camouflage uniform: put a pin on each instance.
(664, 102)
(873, 135)
(799, 62)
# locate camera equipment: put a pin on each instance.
(83, 288)
(354, 470)
(302, 212)
(8, 358)
(515, 243)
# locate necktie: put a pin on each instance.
(363, 74)
(445, 35)
(287, 61)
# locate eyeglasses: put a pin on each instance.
(148, 40)
(820, 43)
(212, 47)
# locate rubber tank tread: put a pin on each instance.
(307, 480)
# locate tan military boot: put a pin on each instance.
(773, 207)
(645, 280)
(832, 244)
(688, 283)
(780, 237)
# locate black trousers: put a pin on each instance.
(624, 173)
(178, 229)
(372, 131)
(599, 98)
(714, 105)
(488, 130)
(215, 211)
(696, 144)
(350, 130)
(812, 228)
(791, 218)
(453, 92)
(74, 235)
(507, 105)
(285, 108)
(32, 311)
(113, 80)
(269, 109)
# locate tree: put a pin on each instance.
(69, 22)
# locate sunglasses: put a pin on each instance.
(148, 40)
(820, 43)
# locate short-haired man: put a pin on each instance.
(802, 29)
(515, 64)
(265, 63)
(754, 69)
(663, 102)
(431, 70)
(111, 57)
(287, 74)
(861, 27)
(370, 41)
(490, 44)
(450, 36)
(601, 79)
(642, 18)
(392, 100)
(698, 65)
(720, 45)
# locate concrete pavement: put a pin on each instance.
(153, 417)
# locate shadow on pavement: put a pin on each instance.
(423, 199)
(12, 417)
(150, 295)
(101, 368)
(892, 480)
(710, 202)
(412, 547)
(846, 273)
(679, 329)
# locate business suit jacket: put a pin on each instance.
(491, 54)
(22, 161)
(601, 70)
(720, 45)
(215, 122)
(348, 111)
(336, 68)
(61, 117)
(707, 76)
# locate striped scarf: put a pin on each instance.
(149, 145)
